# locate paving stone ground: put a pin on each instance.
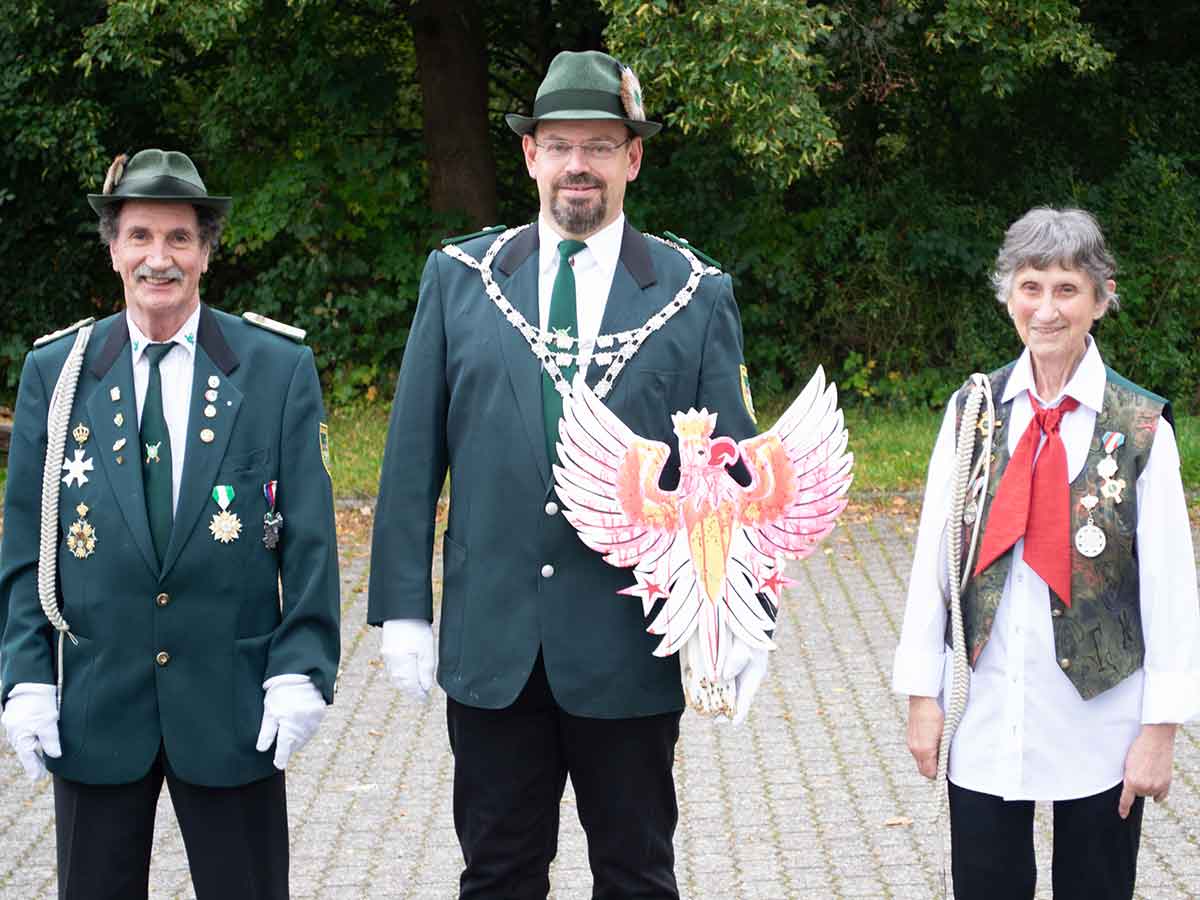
(814, 797)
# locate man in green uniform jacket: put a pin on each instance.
(196, 486)
(549, 671)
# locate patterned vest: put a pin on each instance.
(1098, 639)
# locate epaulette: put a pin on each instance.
(700, 253)
(288, 331)
(62, 332)
(494, 229)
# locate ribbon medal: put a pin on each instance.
(225, 526)
(1090, 541)
(1110, 488)
(272, 521)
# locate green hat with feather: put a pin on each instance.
(587, 85)
(164, 175)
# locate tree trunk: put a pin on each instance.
(452, 65)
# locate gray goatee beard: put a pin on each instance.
(578, 218)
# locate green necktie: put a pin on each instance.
(156, 455)
(562, 317)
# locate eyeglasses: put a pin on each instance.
(595, 150)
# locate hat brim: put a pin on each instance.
(526, 124)
(98, 201)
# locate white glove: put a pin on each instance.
(745, 666)
(292, 710)
(408, 652)
(31, 720)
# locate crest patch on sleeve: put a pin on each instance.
(323, 437)
(746, 398)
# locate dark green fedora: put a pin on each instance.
(587, 85)
(164, 175)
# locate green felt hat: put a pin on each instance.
(587, 85)
(165, 175)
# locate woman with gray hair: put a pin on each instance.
(1079, 618)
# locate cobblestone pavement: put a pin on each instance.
(815, 797)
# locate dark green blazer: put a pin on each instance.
(222, 617)
(469, 401)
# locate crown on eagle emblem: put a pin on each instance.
(693, 424)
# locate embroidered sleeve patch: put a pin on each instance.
(746, 398)
(323, 437)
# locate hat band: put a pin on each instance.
(560, 101)
(160, 185)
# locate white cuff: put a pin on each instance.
(275, 680)
(1169, 697)
(918, 673)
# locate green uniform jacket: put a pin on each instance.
(215, 608)
(469, 401)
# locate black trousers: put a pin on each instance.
(1095, 850)
(510, 769)
(236, 838)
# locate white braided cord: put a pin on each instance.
(58, 418)
(973, 480)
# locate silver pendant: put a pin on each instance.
(1090, 540)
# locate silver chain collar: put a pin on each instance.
(554, 349)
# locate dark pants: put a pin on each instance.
(1095, 850)
(236, 838)
(510, 768)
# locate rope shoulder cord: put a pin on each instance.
(972, 471)
(58, 419)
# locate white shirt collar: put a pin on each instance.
(1086, 385)
(604, 246)
(185, 336)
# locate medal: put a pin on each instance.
(81, 434)
(225, 526)
(272, 521)
(81, 536)
(1090, 541)
(75, 469)
(1107, 467)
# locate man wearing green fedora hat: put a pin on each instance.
(549, 673)
(165, 624)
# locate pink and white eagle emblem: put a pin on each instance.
(711, 546)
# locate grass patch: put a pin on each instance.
(357, 434)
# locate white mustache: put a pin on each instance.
(144, 271)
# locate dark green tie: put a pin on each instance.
(562, 317)
(156, 455)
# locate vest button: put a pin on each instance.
(162, 658)
(1064, 663)
(162, 599)
(1056, 613)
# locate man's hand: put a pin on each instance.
(410, 656)
(31, 721)
(925, 721)
(1148, 766)
(746, 667)
(292, 710)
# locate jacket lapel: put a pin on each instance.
(202, 459)
(629, 302)
(113, 368)
(517, 266)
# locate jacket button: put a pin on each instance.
(162, 599)
(552, 508)
(547, 571)
(162, 658)
(1064, 663)
(1056, 613)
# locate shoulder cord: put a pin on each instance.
(971, 480)
(58, 418)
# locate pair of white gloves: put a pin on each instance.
(410, 656)
(292, 710)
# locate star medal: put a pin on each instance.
(75, 469)
(1090, 541)
(272, 521)
(225, 526)
(1107, 467)
(81, 536)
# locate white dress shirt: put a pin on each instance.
(594, 269)
(1027, 734)
(176, 370)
